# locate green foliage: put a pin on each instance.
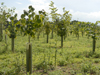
(41, 65)
(53, 11)
(61, 30)
(30, 24)
(12, 30)
(47, 28)
(62, 62)
(69, 58)
(73, 54)
(88, 68)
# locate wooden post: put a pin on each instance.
(29, 58)
(94, 43)
(82, 33)
(52, 34)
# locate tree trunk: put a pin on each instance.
(82, 34)
(52, 34)
(29, 38)
(88, 36)
(21, 32)
(71, 33)
(29, 58)
(6, 41)
(64, 37)
(38, 36)
(1, 33)
(47, 38)
(78, 36)
(12, 44)
(43, 34)
(61, 41)
(5, 38)
(94, 44)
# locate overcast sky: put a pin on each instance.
(82, 10)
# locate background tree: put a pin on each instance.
(66, 18)
(82, 28)
(3, 12)
(87, 30)
(61, 31)
(93, 32)
(53, 15)
(29, 27)
(76, 29)
(30, 24)
(12, 29)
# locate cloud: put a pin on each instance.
(18, 3)
(37, 2)
(40, 4)
(80, 10)
(84, 16)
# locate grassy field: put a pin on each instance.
(75, 58)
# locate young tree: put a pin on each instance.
(53, 15)
(63, 24)
(29, 27)
(47, 29)
(76, 29)
(93, 33)
(61, 30)
(3, 19)
(30, 24)
(82, 28)
(66, 18)
(12, 29)
(5, 14)
(87, 29)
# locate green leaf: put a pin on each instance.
(2, 3)
(29, 16)
(38, 20)
(36, 16)
(18, 22)
(15, 21)
(22, 21)
(15, 15)
(40, 12)
(30, 7)
(11, 18)
(29, 11)
(8, 15)
(33, 13)
(25, 12)
(27, 22)
(22, 16)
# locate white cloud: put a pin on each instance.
(84, 16)
(18, 3)
(86, 13)
(36, 2)
(40, 4)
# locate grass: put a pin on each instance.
(73, 59)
